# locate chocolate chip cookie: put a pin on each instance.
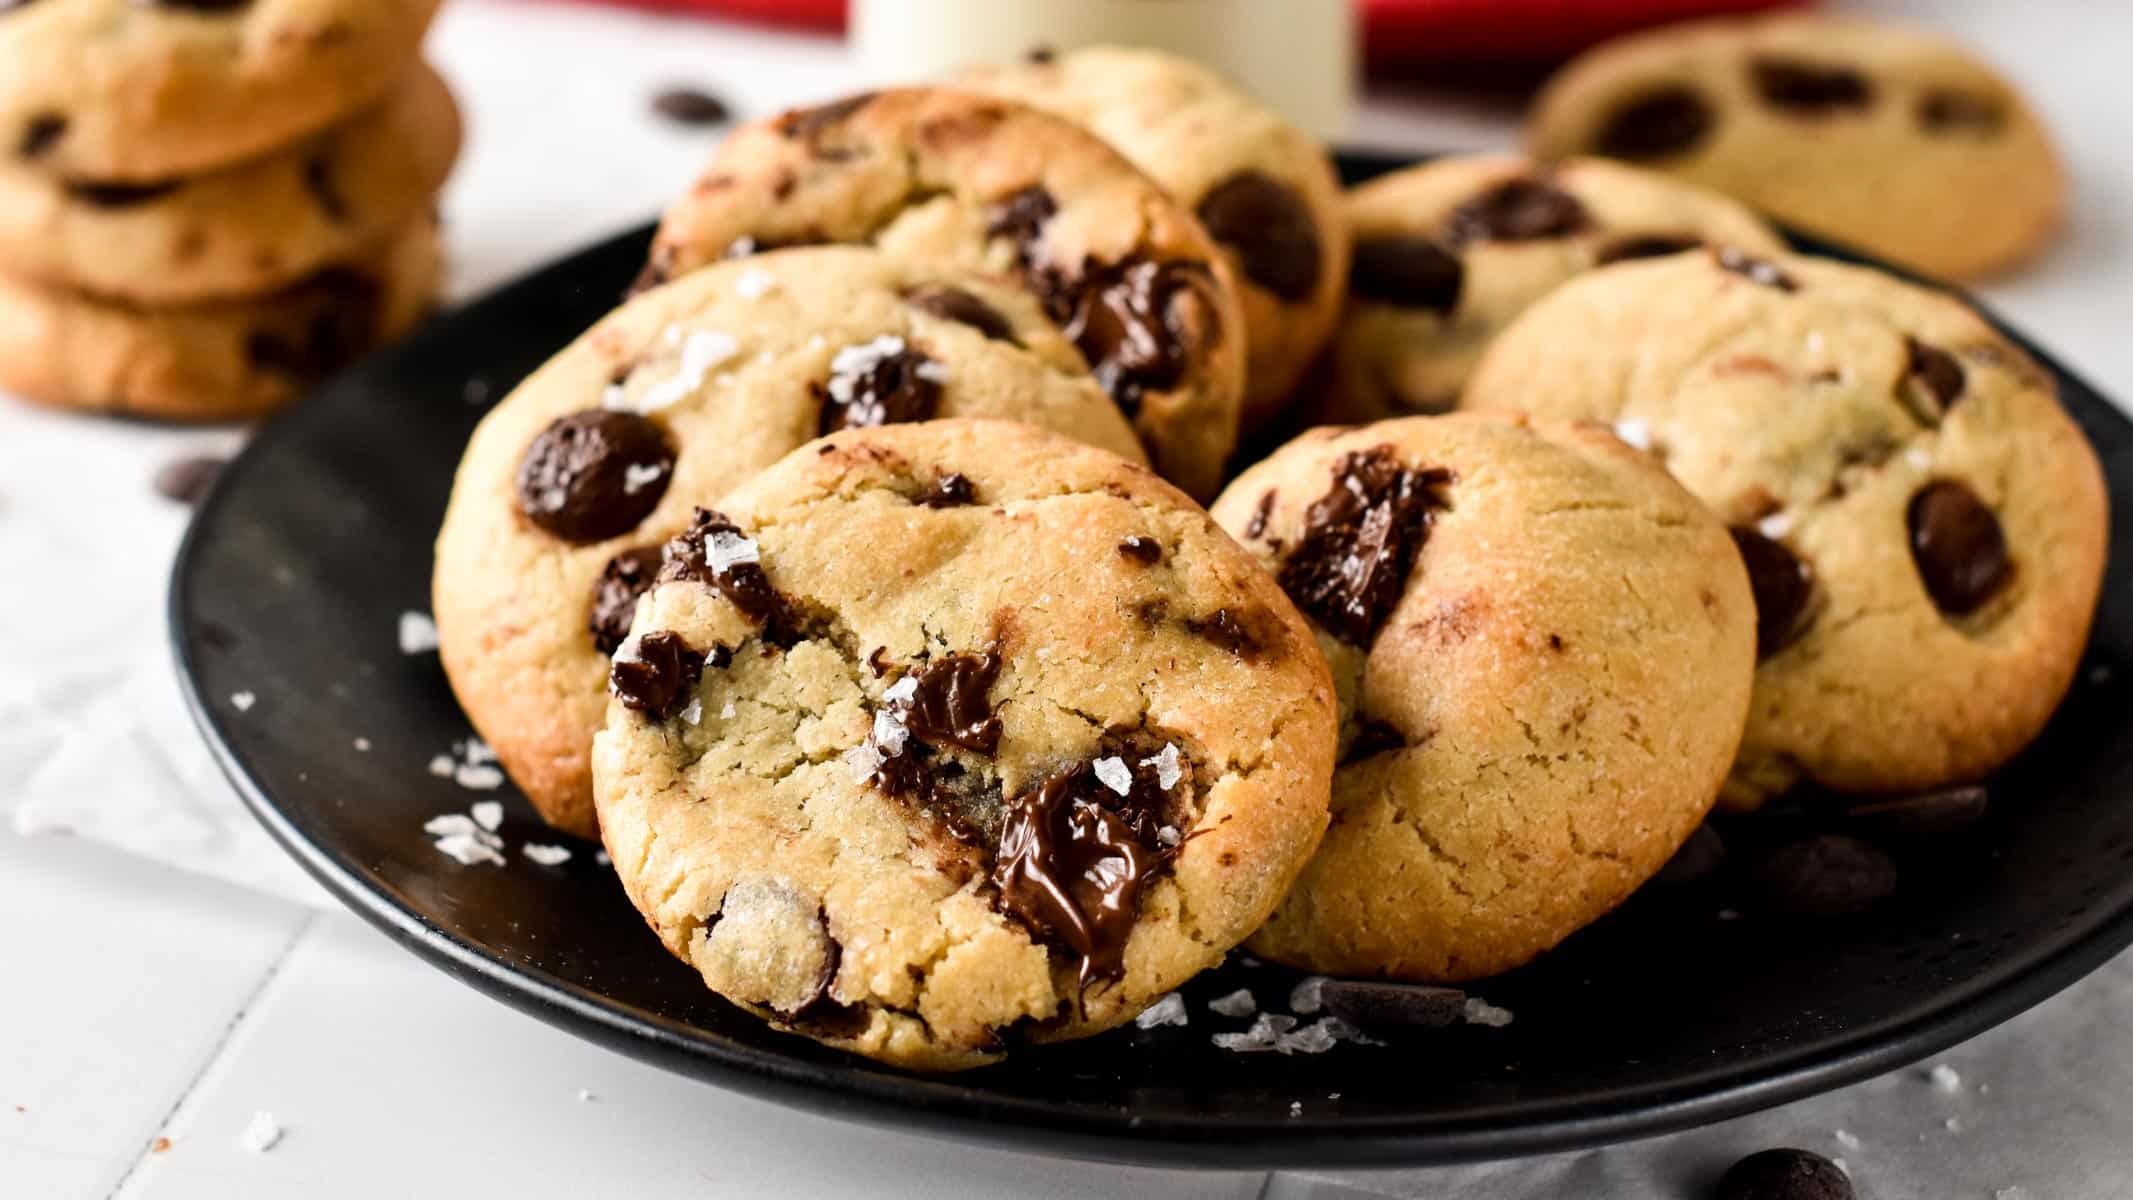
(1543, 649)
(1885, 137)
(1447, 253)
(926, 779)
(1263, 188)
(140, 91)
(571, 486)
(217, 361)
(1923, 524)
(993, 186)
(241, 231)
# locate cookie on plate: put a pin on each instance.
(926, 781)
(1543, 648)
(994, 186)
(1262, 187)
(244, 230)
(138, 91)
(1448, 252)
(218, 361)
(1924, 525)
(570, 487)
(1887, 138)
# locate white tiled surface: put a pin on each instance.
(143, 1002)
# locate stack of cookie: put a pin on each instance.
(204, 208)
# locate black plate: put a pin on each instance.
(1665, 1015)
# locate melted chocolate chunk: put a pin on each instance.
(1827, 875)
(186, 480)
(626, 578)
(870, 387)
(1360, 540)
(1927, 814)
(1657, 124)
(1260, 513)
(952, 490)
(1646, 245)
(809, 123)
(1072, 864)
(1938, 374)
(1809, 89)
(685, 105)
(713, 550)
(120, 195)
(592, 475)
(1516, 210)
(1958, 546)
(1133, 323)
(1407, 272)
(1269, 228)
(1226, 629)
(951, 303)
(318, 180)
(1143, 550)
(1783, 584)
(40, 134)
(652, 677)
(1374, 1005)
(1951, 111)
(951, 706)
(1020, 217)
(1756, 270)
(1784, 1175)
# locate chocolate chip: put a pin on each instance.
(1407, 272)
(592, 475)
(1783, 584)
(1360, 540)
(713, 550)
(318, 180)
(1952, 111)
(951, 303)
(1698, 859)
(1072, 862)
(1372, 738)
(951, 706)
(1134, 322)
(1143, 550)
(1784, 1175)
(808, 123)
(952, 490)
(1375, 1005)
(1225, 628)
(40, 134)
(321, 326)
(1924, 815)
(686, 105)
(626, 578)
(1260, 513)
(1020, 217)
(1269, 228)
(120, 195)
(652, 676)
(1646, 245)
(1937, 372)
(1516, 210)
(1040, 55)
(1958, 547)
(187, 480)
(1827, 875)
(1755, 269)
(1809, 89)
(1657, 124)
(873, 384)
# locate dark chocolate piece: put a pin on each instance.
(1809, 89)
(1658, 124)
(1072, 865)
(1520, 209)
(1698, 859)
(1143, 550)
(1783, 585)
(712, 539)
(1784, 1174)
(1949, 111)
(625, 579)
(1958, 547)
(652, 676)
(1360, 540)
(1374, 1005)
(951, 303)
(686, 105)
(952, 490)
(1827, 875)
(868, 387)
(592, 475)
(1927, 814)
(951, 706)
(1133, 322)
(1938, 374)
(1646, 245)
(1407, 272)
(1269, 228)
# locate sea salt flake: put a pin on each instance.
(469, 850)
(1920, 458)
(725, 550)
(1481, 1012)
(1296, 1108)
(1240, 1003)
(1634, 431)
(261, 1133)
(243, 701)
(1945, 1078)
(889, 734)
(478, 777)
(585, 1096)
(1849, 1141)
(638, 476)
(1168, 837)
(615, 398)
(418, 633)
(693, 712)
(546, 855)
(476, 751)
(754, 283)
(1305, 998)
(1167, 771)
(932, 372)
(701, 353)
(2100, 673)
(1115, 774)
(1952, 1125)
(451, 825)
(1170, 1010)
(903, 691)
(362, 744)
(601, 857)
(487, 813)
(1264, 1034)
(1841, 1165)
(1775, 526)
(1314, 1038)
(726, 713)
(442, 766)
(862, 761)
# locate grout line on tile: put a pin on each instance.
(214, 1053)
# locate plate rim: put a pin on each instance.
(934, 1106)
